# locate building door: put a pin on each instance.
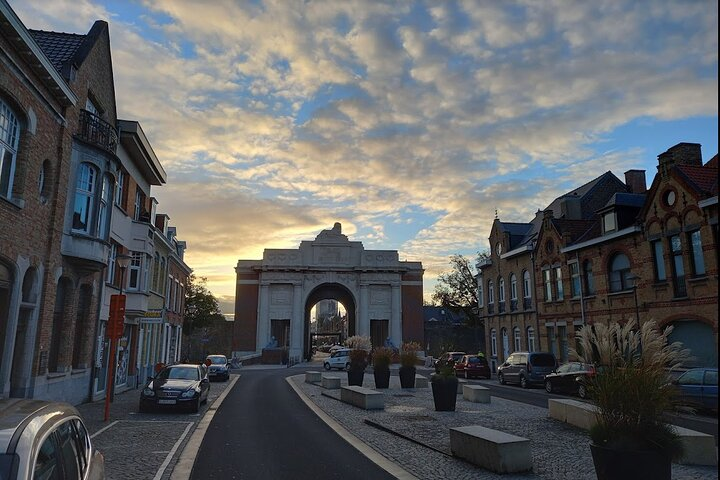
(379, 332)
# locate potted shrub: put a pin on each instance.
(444, 387)
(408, 360)
(632, 391)
(360, 347)
(381, 366)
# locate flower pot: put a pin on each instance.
(624, 464)
(355, 376)
(407, 377)
(444, 393)
(382, 377)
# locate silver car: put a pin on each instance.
(45, 440)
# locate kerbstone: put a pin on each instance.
(330, 382)
(313, 377)
(476, 393)
(497, 451)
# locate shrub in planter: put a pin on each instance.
(381, 366)
(444, 387)
(408, 360)
(358, 358)
(632, 391)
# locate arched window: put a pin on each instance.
(527, 291)
(505, 343)
(84, 192)
(493, 342)
(531, 339)
(103, 207)
(480, 292)
(589, 282)
(516, 335)
(547, 283)
(491, 292)
(513, 287)
(620, 273)
(501, 289)
(9, 139)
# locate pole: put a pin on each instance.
(111, 378)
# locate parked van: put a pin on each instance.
(526, 368)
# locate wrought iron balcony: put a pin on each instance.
(527, 303)
(491, 308)
(501, 307)
(679, 286)
(513, 305)
(97, 131)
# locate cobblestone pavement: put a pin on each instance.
(139, 446)
(559, 451)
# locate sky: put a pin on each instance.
(411, 123)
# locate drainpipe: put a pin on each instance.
(535, 299)
(582, 293)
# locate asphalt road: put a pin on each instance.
(262, 430)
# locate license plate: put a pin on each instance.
(167, 402)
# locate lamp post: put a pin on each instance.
(634, 279)
(114, 331)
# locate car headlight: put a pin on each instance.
(188, 393)
(148, 392)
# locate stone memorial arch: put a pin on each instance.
(273, 296)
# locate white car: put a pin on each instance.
(338, 359)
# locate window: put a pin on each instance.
(138, 205)
(505, 342)
(46, 463)
(45, 182)
(563, 340)
(493, 342)
(513, 287)
(9, 138)
(501, 290)
(575, 290)
(135, 270)
(609, 222)
(547, 282)
(516, 335)
(480, 292)
(531, 339)
(559, 283)
(659, 261)
(620, 273)
(588, 277)
(103, 212)
(526, 285)
(69, 450)
(84, 191)
(112, 256)
(120, 188)
(678, 267)
(698, 262)
(491, 292)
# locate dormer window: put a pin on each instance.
(609, 223)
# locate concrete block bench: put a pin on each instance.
(421, 381)
(313, 377)
(476, 394)
(330, 381)
(496, 451)
(699, 447)
(364, 398)
(461, 384)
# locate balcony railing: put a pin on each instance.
(527, 303)
(680, 286)
(491, 308)
(97, 131)
(501, 307)
(513, 305)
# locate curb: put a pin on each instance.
(379, 460)
(183, 467)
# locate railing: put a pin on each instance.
(680, 286)
(513, 305)
(491, 308)
(97, 131)
(527, 303)
(501, 307)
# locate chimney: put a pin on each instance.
(680, 154)
(635, 181)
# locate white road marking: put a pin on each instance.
(165, 464)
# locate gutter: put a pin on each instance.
(602, 239)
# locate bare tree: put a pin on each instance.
(457, 289)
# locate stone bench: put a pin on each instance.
(421, 381)
(364, 398)
(313, 377)
(496, 451)
(699, 447)
(461, 384)
(330, 381)
(476, 394)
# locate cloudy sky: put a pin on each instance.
(409, 122)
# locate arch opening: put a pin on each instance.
(334, 324)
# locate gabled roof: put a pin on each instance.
(59, 47)
(442, 314)
(574, 228)
(704, 179)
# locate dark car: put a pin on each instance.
(447, 358)
(472, 366)
(526, 368)
(698, 387)
(570, 378)
(183, 385)
(219, 367)
(40, 439)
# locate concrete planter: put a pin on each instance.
(615, 464)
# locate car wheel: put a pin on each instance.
(327, 366)
(195, 406)
(582, 391)
(501, 379)
(523, 382)
(548, 386)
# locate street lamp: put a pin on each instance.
(114, 331)
(634, 279)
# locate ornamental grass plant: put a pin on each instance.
(409, 354)
(360, 347)
(632, 389)
(382, 357)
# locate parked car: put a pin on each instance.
(472, 366)
(335, 348)
(182, 385)
(339, 359)
(40, 439)
(570, 378)
(219, 367)
(698, 387)
(526, 368)
(446, 358)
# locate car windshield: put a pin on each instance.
(542, 360)
(218, 360)
(456, 356)
(477, 360)
(179, 373)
